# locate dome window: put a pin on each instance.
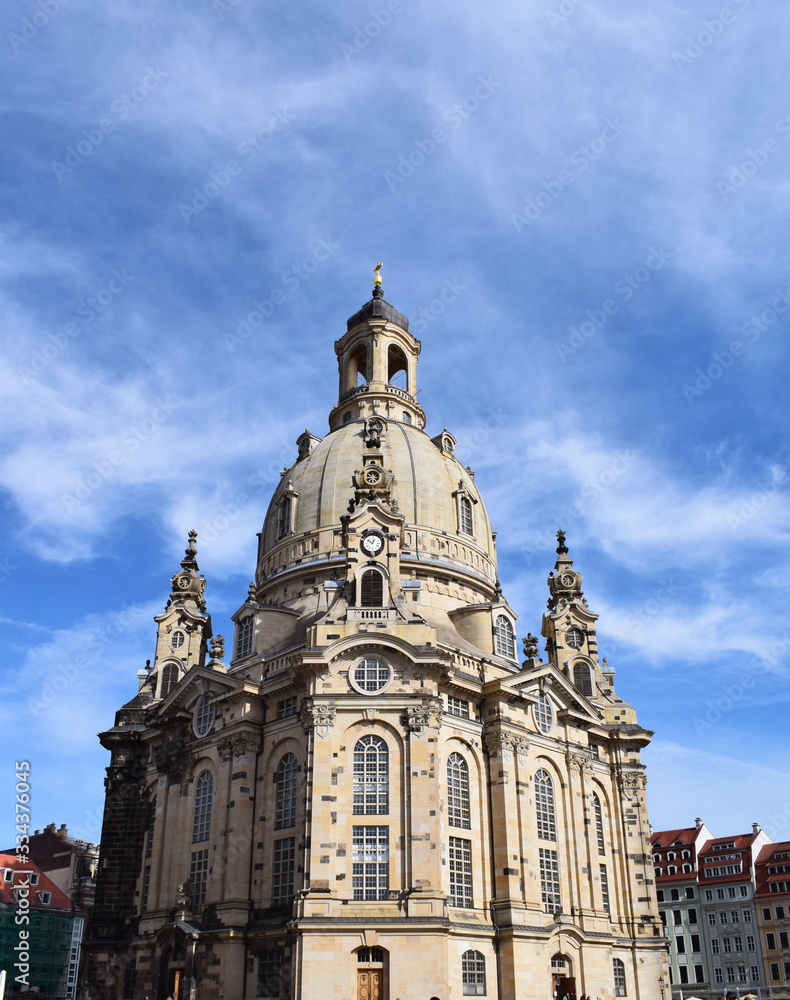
(347, 417)
(465, 522)
(244, 636)
(406, 417)
(286, 509)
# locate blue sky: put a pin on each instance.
(583, 208)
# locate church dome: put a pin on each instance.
(376, 430)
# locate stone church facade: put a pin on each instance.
(373, 795)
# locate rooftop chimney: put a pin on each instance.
(698, 822)
(756, 828)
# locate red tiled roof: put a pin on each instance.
(668, 837)
(766, 857)
(58, 899)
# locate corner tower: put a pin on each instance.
(378, 797)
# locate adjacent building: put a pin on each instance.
(373, 794)
(54, 929)
(675, 866)
(772, 901)
(70, 863)
(727, 884)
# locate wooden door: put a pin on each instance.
(369, 985)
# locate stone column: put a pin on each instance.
(503, 749)
(424, 850)
(318, 720)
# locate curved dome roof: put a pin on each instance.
(428, 479)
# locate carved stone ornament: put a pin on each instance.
(218, 647)
(521, 746)
(531, 643)
(419, 718)
(631, 782)
(174, 761)
(241, 747)
(185, 893)
(320, 718)
(500, 745)
(580, 760)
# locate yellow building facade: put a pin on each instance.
(374, 795)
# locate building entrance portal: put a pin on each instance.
(562, 986)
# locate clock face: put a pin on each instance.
(568, 580)
(372, 476)
(372, 544)
(183, 582)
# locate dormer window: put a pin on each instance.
(45, 898)
(465, 523)
(284, 519)
(244, 635)
(8, 875)
(34, 878)
(504, 637)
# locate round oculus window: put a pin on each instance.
(177, 639)
(204, 716)
(544, 715)
(370, 676)
(575, 638)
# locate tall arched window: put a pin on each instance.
(599, 825)
(244, 636)
(465, 516)
(457, 791)
(371, 589)
(285, 798)
(473, 972)
(371, 777)
(619, 977)
(581, 679)
(169, 679)
(544, 805)
(504, 638)
(204, 792)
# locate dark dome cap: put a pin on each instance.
(378, 307)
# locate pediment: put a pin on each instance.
(569, 702)
(197, 682)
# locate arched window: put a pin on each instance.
(619, 977)
(599, 825)
(285, 797)
(544, 805)
(397, 367)
(284, 518)
(473, 972)
(244, 636)
(504, 638)
(406, 417)
(686, 869)
(672, 870)
(581, 679)
(657, 872)
(204, 716)
(371, 589)
(371, 777)
(465, 516)
(457, 791)
(169, 679)
(201, 828)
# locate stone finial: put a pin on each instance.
(251, 592)
(530, 642)
(218, 647)
(562, 548)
